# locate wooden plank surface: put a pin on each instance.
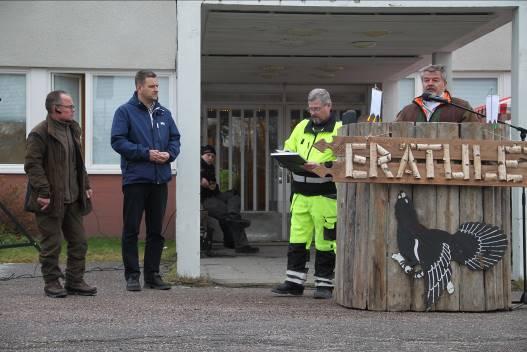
(376, 236)
(337, 170)
(506, 265)
(343, 272)
(346, 251)
(398, 284)
(472, 290)
(448, 220)
(488, 148)
(493, 280)
(516, 163)
(361, 236)
(367, 277)
(507, 230)
(425, 200)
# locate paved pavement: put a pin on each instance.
(265, 269)
(239, 315)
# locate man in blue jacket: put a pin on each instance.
(146, 137)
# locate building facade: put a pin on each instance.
(236, 74)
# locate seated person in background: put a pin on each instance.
(420, 110)
(223, 206)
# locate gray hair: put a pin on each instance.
(54, 98)
(434, 68)
(141, 76)
(319, 94)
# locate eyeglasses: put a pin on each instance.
(72, 107)
(315, 108)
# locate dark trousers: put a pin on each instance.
(52, 230)
(151, 199)
(221, 207)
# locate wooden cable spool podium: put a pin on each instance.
(366, 275)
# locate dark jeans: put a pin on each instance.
(52, 230)
(151, 199)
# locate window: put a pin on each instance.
(12, 118)
(109, 92)
(73, 84)
(406, 92)
(475, 90)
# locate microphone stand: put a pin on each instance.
(523, 134)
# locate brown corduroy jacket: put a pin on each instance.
(44, 166)
(443, 113)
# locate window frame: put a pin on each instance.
(19, 168)
(111, 169)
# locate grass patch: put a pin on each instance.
(100, 249)
(517, 285)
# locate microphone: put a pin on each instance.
(431, 97)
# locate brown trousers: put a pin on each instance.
(53, 230)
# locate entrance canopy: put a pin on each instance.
(333, 45)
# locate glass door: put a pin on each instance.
(244, 136)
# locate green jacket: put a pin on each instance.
(301, 141)
(45, 154)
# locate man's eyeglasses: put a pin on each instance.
(315, 108)
(72, 107)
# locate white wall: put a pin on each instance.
(101, 34)
(491, 52)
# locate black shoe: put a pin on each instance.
(288, 288)
(323, 292)
(229, 245)
(80, 288)
(237, 219)
(132, 283)
(247, 250)
(243, 222)
(54, 289)
(157, 283)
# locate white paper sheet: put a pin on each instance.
(375, 107)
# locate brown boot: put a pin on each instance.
(80, 288)
(54, 289)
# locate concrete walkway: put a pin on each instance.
(265, 268)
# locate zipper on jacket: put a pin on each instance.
(156, 176)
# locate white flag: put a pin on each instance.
(375, 107)
(493, 108)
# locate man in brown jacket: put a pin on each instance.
(420, 110)
(59, 194)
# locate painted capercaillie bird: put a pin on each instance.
(477, 245)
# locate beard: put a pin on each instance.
(316, 120)
(434, 91)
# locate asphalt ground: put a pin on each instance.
(219, 318)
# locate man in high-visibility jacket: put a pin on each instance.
(314, 204)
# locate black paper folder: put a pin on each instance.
(290, 160)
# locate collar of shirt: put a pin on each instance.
(430, 107)
(151, 112)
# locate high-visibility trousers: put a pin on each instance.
(312, 217)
